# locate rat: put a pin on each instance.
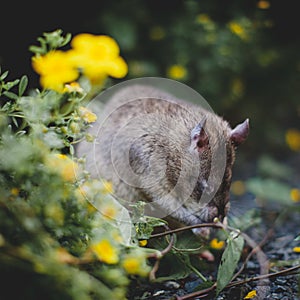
(173, 154)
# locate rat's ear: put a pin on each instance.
(199, 139)
(240, 132)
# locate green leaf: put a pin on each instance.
(229, 260)
(72, 150)
(9, 85)
(37, 50)
(23, 85)
(269, 189)
(11, 95)
(188, 242)
(146, 226)
(52, 139)
(66, 40)
(14, 120)
(203, 285)
(269, 167)
(173, 266)
(4, 75)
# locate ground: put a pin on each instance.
(275, 233)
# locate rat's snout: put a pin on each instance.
(217, 208)
(210, 212)
(222, 212)
(204, 232)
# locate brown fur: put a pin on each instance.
(144, 146)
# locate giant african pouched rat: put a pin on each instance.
(172, 154)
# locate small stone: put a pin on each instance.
(275, 296)
(280, 280)
(280, 289)
(172, 285)
(158, 293)
(190, 286)
(252, 265)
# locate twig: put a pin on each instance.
(162, 253)
(261, 257)
(215, 225)
(253, 251)
(256, 249)
(285, 272)
(202, 293)
(153, 271)
(263, 285)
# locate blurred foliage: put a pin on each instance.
(229, 52)
(62, 234)
(242, 56)
(275, 184)
(240, 59)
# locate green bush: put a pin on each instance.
(59, 231)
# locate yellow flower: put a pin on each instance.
(109, 210)
(117, 237)
(97, 57)
(73, 87)
(55, 69)
(250, 295)
(292, 138)
(238, 30)
(237, 87)
(296, 249)
(143, 243)
(215, 244)
(55, 212)
(106, 252)
(177, 72)
(238, 188)
(134, 264)
(107, 187)
(262, 4)
(295, 195)
(87, 115)
(63, 165)
(203, 19)
(15, 191)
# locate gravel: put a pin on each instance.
(278, 249)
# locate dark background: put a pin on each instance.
(22, 23)
(271, 96)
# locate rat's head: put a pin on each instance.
(213, 180)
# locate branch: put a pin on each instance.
(162, 253)
(214, 225)
(205, 292)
